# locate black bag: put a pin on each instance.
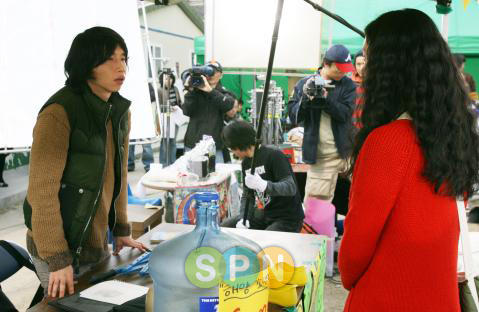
(4, 301)
(75, 303)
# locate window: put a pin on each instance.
(193, 58)
(156, 53)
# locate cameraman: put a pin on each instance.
(326, 115)
(206, 105)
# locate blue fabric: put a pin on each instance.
(132, 200)
(340, 227)
(146, 156)
(131, 156)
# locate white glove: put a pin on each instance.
(255, 182)
(240, 224)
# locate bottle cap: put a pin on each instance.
(206, 196)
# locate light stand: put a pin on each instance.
(279, 11)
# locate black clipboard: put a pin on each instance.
(75, 303)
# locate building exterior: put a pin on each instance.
(172, 30)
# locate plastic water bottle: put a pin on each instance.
(211, 156)
(173, 290)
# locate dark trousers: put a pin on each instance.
(2, 165)
(266, 224)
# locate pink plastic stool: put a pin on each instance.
(320, 215)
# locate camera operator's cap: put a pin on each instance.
(216, 65)
(339, 54)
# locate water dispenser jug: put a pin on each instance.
(173, 291)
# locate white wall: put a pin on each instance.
(172, 19)
(35, 39)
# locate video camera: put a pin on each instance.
(317, 86)
(196, 73)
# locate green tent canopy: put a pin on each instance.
(463, 35)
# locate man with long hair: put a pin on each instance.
(417, 151)
(78, 166)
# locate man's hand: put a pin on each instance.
(310, 84)
(255, 182)
(206, 87)
(187, 82)
(325, 92)
(59, 281)
(127, 241)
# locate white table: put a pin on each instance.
(303, 248)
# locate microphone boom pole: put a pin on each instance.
(335, 17)
(279, 11)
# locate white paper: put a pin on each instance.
(114, 292)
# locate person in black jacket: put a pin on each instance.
(206, 106)
(276, 203)
(327, 122)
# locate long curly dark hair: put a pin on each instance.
(409, 68)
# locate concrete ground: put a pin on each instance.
(21, 287)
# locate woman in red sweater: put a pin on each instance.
(417, 151)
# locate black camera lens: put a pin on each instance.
(197, 80)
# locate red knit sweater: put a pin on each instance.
(399, 249)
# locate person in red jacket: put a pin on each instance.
(416, 152)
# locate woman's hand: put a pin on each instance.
(127, 241)
(59, 281)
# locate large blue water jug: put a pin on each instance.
(173, 291)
